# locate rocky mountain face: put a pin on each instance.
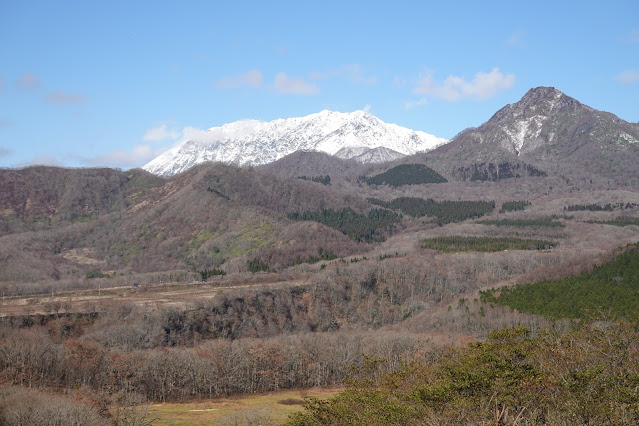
(358, 135)
(545, 132)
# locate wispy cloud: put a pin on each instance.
(516, 40)
(628, 77)
(632, 37)
(293, 85)
(161, 133)
(252, 79)
(61, 98)
(282, 49)
(137, 157)
(4, 152)
(454, 88)
(44, 160)
(29, 81)
(355, 72)
(367, 108)
(416, 103)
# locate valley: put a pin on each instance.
(122, 289)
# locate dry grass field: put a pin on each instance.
(271, 408)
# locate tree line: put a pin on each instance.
(484, 244)
(619, 221)
(546, 222)
(598, 208)
(509, 206)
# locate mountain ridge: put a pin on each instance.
(357, 135)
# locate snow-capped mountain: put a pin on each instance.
(546, 121)
(358, 135)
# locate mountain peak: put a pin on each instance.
(252, 142)
(546, 125)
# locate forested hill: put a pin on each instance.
(406, 174)
(611, 288)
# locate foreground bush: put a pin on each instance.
(585, 376)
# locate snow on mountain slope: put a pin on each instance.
(358, 135)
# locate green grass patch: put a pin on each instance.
(252, 238)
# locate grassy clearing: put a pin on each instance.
(272, 408)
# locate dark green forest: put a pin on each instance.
(443, 211)
(619, 221)
(484, 244)
(406, 174)
(599, 208)
(612, 288)
(545, 222)
(510, 206)
(324, 180)
(359, 227)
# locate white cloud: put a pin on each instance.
(628, 77)
(355, 73)
(412, 104)
(45, 160)
(483, 86)
(29, 81)
(399, 82)
(367, 108)
(633, 37)
(137, 157)
(161, 133)
(293, 85)
(61, 98)
(283, 50)
(252, 79)
(515, 39)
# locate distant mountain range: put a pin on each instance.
(545, 132)
(359, 136)
(61, 223)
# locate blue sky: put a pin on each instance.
(114, 83)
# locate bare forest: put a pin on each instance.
(121, 289)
